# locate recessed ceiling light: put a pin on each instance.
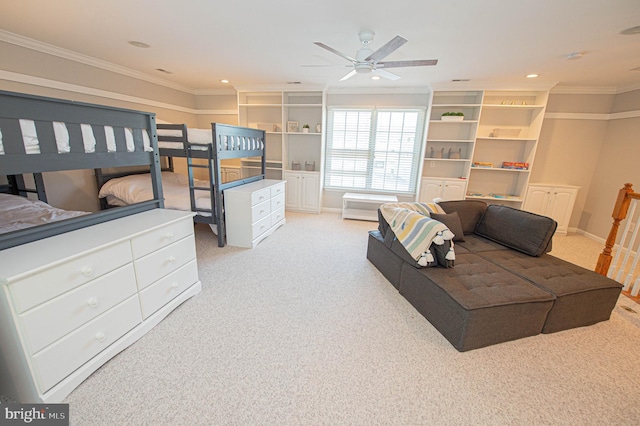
(631, 31)
(575, 55)
(224, 81)
(456, 80)
(163, 71)
(375, 77)
(139, 44)
(294, 82)
(532, 75)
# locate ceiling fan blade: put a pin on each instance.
(397, 64)
(386, 74)
(387, 49)
(332, 50)
(348, 76)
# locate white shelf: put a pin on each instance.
(451, 140)
(500, 169)
(447, 159)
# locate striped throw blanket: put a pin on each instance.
(416, 231)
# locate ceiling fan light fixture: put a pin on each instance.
(139, 44)
(532, 75)
(631, 31)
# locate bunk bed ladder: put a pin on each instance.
(214, 177)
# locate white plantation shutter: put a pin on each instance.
(373, 149)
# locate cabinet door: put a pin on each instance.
(310, 192)
(454, 190)
(292, 192)
(561, 207)
(430, 189)
(232, 174)
(537, 200)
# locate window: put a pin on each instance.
(373, 149)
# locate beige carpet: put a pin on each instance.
(303, 330)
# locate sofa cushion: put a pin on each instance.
(520, 230)
(469, 212)
(452, 221)
(582, 296)
(477, 244)
(477, 303)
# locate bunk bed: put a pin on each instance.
(202, 148)
(40, 134)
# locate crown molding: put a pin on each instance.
(49, 49)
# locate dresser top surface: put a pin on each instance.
(19, 259)
(255, 186)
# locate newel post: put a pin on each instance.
(619, 213)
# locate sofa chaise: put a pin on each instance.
(504, 284)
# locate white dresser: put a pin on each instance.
(71, 302)
(253, 211)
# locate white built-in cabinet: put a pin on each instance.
(303, 191)
(554, 201)
(290, 146)
(446, 189)
(489, 152)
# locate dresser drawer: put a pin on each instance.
(158, 238)
(47, 284)
(260, 210)
(260, 196)
(67, 354)
(277, 189)
(261, 226)
(156, 265)
(277, 202)
(161, 292)
(277, 216)
(50, 321)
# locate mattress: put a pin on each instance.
(137, 188)
(19, 213)
(194, 136)
(61, 133)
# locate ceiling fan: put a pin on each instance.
(367, 61)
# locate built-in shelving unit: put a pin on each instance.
(450, 145)
(506, 144)
(489, 153)
(289, 146)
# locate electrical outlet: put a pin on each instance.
(432, 164)
(632, 226)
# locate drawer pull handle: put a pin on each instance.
(100, 336)
(87, 271)
(93, 302)
(172, 259)
(169, 235)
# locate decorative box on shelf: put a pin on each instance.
(505, 133)
(482, 164)
(515, 165)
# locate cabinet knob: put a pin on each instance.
(261, 211)
(100, 336)
(172, 258)
(93, 302)
(87, 271)
(168, 235)
(174, 285)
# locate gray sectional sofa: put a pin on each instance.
(503, 286)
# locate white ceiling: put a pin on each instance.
(261, 43)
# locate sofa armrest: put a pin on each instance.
(517, 229)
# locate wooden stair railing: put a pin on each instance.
(626, 199)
